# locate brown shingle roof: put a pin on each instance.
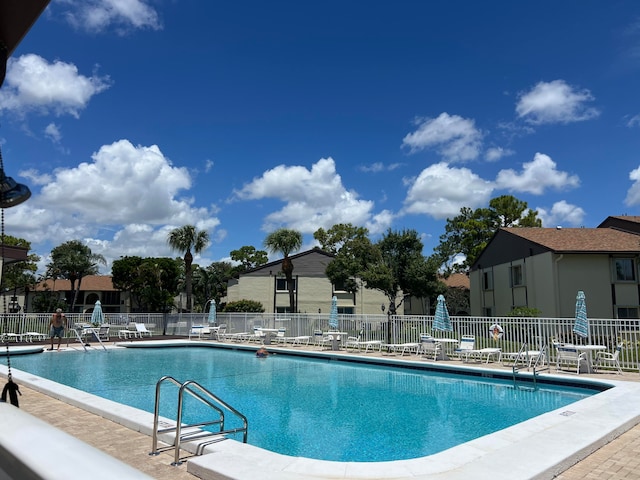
(628, 218)
(100, 283)
(457, 280)
(580, 239)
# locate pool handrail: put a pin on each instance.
(200, 393)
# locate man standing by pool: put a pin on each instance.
(57, 323)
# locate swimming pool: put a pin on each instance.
(316, 407)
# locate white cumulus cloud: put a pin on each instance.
(125, 201)
(633, 194)
(34, 84)
(555, 102)
(536, 176)
(98, 15)
(313, 198)
(457, 139)
(494, 154)
(441, 191)
(561, 213)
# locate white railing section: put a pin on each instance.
(535, 332)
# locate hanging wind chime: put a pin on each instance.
(11, 194)
(16, 17)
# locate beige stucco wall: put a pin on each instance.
(552, 282)
(313, 293)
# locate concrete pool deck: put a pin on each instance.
(546, 440)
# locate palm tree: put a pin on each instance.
(285, 241)
(73, 260)
(184, 239)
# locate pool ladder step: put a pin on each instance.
(193, 435)
(537, 367)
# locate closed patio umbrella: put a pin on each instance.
(97, 317)
(581, 325)
(442, 320)
(333, 314)
(212, 313)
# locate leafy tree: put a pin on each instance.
(244, 306)
(401, 270)
(394, 266)
(72, 261)
(184, 239)
(210, 283)
(467, 234)
(458, 300)
(339, 235)
(151, 282)
(46, 300)
(355, 255)
(249, 257)
(285, 241)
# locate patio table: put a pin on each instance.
(587, 367)
(336, 338)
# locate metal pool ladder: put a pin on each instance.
(194, 432)
(524, 358)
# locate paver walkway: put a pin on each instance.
(120, 442)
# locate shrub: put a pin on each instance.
(244, 306)
(524, 312)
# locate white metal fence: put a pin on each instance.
(535, 332)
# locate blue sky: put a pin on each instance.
(129, 118)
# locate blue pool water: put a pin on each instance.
(309, 407)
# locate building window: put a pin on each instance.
(283, 310)
(627, 312)
(69, 297)
(111, 298)
(487, 311)
(345, 310)
(282, 285)
(339, 287)
(517, 278)
(487, 280)
(625, 269)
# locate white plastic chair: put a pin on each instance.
(608, 359)
(429, 347)
(568, 356)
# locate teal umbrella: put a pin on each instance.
(581, 325)
(333, 314)
(442, 320)
(97, 317)
(212, 313)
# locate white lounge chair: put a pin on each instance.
(568, 356)
(466, 348)
(352, 342)
(196, 331)
(607, 359)
(280, 337)
(141, 330)
(402, 348)
(34, 336)
(300, 340)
